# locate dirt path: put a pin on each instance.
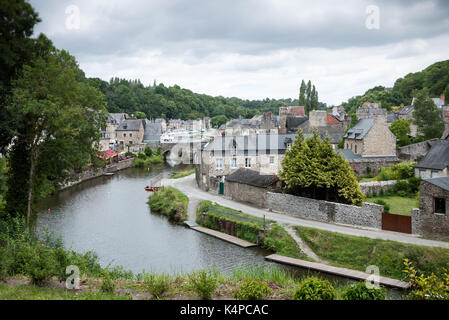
(304, 247)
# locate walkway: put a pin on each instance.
(343, 272)
(188, 186)
(226, 237)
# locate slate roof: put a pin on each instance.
(250, 145)
(129, 125)
(349, 155)
(153, 131)
(391, 117)
(335, 137)
(252, 178)
(294, 122)
(405, 110)
(116, 117)
(360, 129)
(442, 182)
(438, 156)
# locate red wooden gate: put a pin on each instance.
(396, 222)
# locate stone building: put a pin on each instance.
(227, 154)
(369, 110)
(291, 113)
(108, 139)
(445, 115)
(250, 186)
(432, 219)
(130, 131)
(436, 162)
(406, 113)
(261, 124)
(370, 145)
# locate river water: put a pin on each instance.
(110, 216)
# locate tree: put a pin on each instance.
(314, 99)
(140, 115)
(401, 129)
(217, 121)
(308, 104)
(312, 168)
(426, 116)
(16, 48)
(302, 94)
(61, 117)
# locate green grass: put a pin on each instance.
(367, 179)
(398, 205)
(169, 202)
(359, 252)
(148, 162)
(31, 292)
(182, 174)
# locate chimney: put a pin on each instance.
(442, 97)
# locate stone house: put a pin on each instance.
(436, 162)
(226, 154)
(370, 110)
(108, 139)
(432, 218)
(131, 131)
(250, 186)
(260, 124)
(406, 113)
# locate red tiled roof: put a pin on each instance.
(332, 120)
(108, 154)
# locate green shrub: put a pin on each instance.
(413, 184)
(39, 264)
(169, 202)
(359, 291)
(401, 185)
(252, 289)
(107, 285)
(383, 203)
(203, 283)
(141, 155)
(403, 170)
(148, 151)
(138, 163)
(157, 285)
(314, 289)
(5, 263)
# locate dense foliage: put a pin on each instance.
(251, 289)
(360, 291)
(401, 129)
(426, 116)
(314, 289)
(169, 202)
(312, 168)
(174, 102)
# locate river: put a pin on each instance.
(110, 216)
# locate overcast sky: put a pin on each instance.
(251, 49)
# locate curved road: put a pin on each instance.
(188, 186)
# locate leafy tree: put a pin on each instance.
(312, 168)
(61, 116)
(217, 121)
(140, 115)
(302, 94)
(426, 116)
(16, 48)
(401, 129)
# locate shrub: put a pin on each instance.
(39, 264)
(401, 185)
(107, 285)
(383, 203)
(314, 289)
(148, 151)
(5, 263)
(252, 289)
(403, 170)
(138, 163)
(413, 184)
(359, 291)
(141, 155)
(203, 283)
(169, 202)
(157, 285)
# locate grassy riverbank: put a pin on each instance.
(169, 202)
(248, 228)
(182, 174)
(359, 252)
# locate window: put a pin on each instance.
(272, 160)
(247, 162)
(130, 135)
(124, 135)
(355, 149)
(219, 163)
(130, 142)
(439, 205)
(234, 163)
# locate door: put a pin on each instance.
(221, 188)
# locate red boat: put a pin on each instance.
(154, 189)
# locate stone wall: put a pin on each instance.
(94, 173)
(245, 193)
(424, 221)
(379, 141)
(368, 215)
(361, 165)
(415, 151)
(375, 187)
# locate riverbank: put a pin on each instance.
(97, 172)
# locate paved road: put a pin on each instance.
(188, 186)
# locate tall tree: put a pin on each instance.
(18, 19)
(426, 116)
(61, 115)
(401, 129)
(308, 104)
(312, 168)
(314, 99)
(302, 94)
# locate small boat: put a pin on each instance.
(148, 188)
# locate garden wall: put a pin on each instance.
(375, 187)
(368, 215)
